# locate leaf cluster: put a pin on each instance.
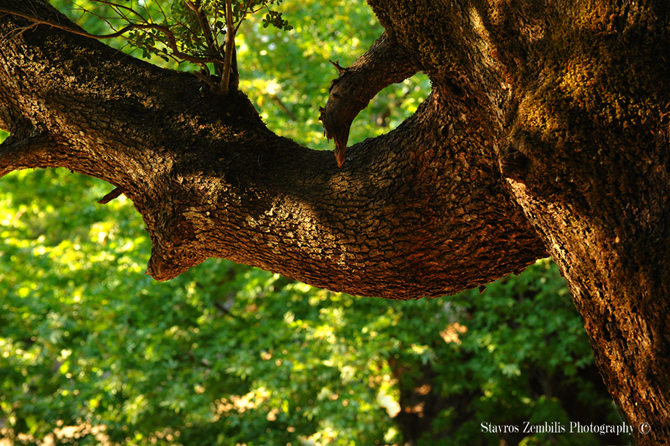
(201, 32)
(275, 19)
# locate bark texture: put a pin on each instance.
(385, 63)
(547, 130)
(418, 212)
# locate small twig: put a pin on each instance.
(107, 20)
(172, 41)
(116, 7)
(206, 79)
(283, 106)
(223, 309)
(230, 44)
(204, 25)
(244, 16)
(336, 64)
(18, 32)
(110, 196)
(162, 10)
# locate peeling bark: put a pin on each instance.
(547, 130)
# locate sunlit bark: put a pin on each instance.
(545, 118)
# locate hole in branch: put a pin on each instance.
(390, 108)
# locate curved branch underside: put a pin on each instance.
(418, 212)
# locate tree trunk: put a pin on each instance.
(547, 130)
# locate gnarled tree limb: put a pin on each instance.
(211, 181)
(385, 63)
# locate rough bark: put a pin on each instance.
(401, 220)
(546, 117)
(589, 121)
(385, 63)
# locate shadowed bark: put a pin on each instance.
(546, 130)
(385, 63)
(211, 181)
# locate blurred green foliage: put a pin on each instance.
(197, 31)
(92, 351)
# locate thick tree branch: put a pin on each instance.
(211, 181)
